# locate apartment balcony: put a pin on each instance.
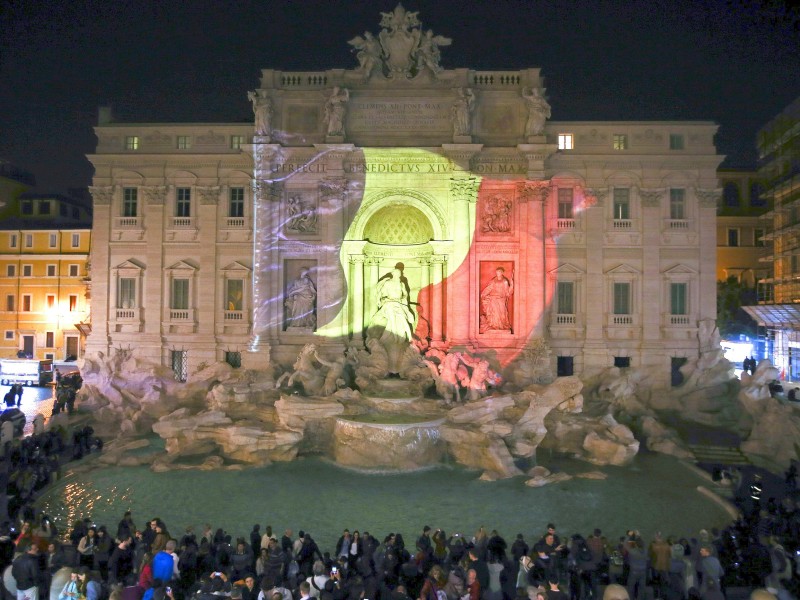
(565, 326)
(126, 320)
(679, 225)
(180, 320)
(623, 232)
(234, 316)
(181, 229)
(181, 222)
(128, 222)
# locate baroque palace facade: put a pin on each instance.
(244, 242)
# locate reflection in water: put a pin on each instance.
(656, 494)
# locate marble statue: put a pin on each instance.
(301, 294)
(262, 109)
(394, 316)
(334, 378)
(538, 111)
(481, 378)
(427, 53)
(299, 218)
(335, 110)
(305, 373)
(462, 111)
(494, 303)
(369, 53)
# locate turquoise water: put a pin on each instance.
(656, 493)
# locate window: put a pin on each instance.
(565, 141)
(184, 142)
(730, 195)
(49, 339)
(126, 295)
(677, 203)
(622, 298)
(622, 362)
(53, 240)
(27, 270)
(733, 236)
(234, 359)
(63, 210)
(75, 212)
(27, 207)
(29, 240)
(622, 204)
(130, 199)
(237, 141)
(11, 270)
(234, 294)
(180, 294)
(131, 142)
(183, 202)
(565, 203)
(565, 297)
(44, 207)
(11, 302)
(50, 301)
(675, 141)
(73, 302)
(26, 303)
(756, 191)
(73, 270)
(178, 360)
(565, 366)
(9, 334)
(76, 240)
(236, 202)
(12, 240)
(620, 141)
(678, 295)
(51, 270)
(758, 235)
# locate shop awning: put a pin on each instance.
(778, 316)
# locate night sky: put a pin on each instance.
(736, 63)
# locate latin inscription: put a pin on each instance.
(399, 116)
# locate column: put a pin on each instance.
(356, 297)
(437, 299)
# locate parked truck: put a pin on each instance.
(26, 371)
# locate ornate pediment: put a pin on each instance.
(401, 49)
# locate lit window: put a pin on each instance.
(126, 298)
(675, 141)
(622, 204)
(130, 199)
(27, 270)
(11, 302)
(565, 203)
(73, 303)
(76, 240)
(53, 240)
(236, 205)
(677, 298)
(73, 270)
(26, 303)
(677, 203)
(733, 236)
(11, 270)
(565, 141)
(180, 294)
(12, 240)
(131, 142)
(237, 141)
(27, 207)
(29, 240)
(183, 202)
(565, 297)
(184, 142)
(622, 298)
(620, 141)
(51, 301)
(234, 294)
(51, 270)
(49, 339)
(44, 207)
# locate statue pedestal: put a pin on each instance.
(537, 139)
(334, 139)
(462, 139)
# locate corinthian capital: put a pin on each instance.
(532, 191)
(465, 188)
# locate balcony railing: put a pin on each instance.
(677, 224)
(678, 320)
(624, 320)
(234, 315)
(128, 223)
(127, 314)
(182, 315)
(622, 224)
(234, 222)
(559, 319)
(565, 224)
(182, 222)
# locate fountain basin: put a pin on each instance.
(373, 442)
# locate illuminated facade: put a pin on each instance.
(600, 234)
(44, 250)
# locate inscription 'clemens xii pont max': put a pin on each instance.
(399, 116)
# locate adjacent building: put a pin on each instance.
(245, 242)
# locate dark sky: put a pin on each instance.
(735, 62)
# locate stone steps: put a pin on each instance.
(726, 455)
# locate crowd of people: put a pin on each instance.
(128, 563)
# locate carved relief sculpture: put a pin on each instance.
(494, 303)
(300, 300)
(262, 110)
(299, 217)
(335, 109)
(538, 111)
(496, 216)
(462, 111)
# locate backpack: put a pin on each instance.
(584, 553)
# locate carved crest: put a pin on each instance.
(401, 48)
